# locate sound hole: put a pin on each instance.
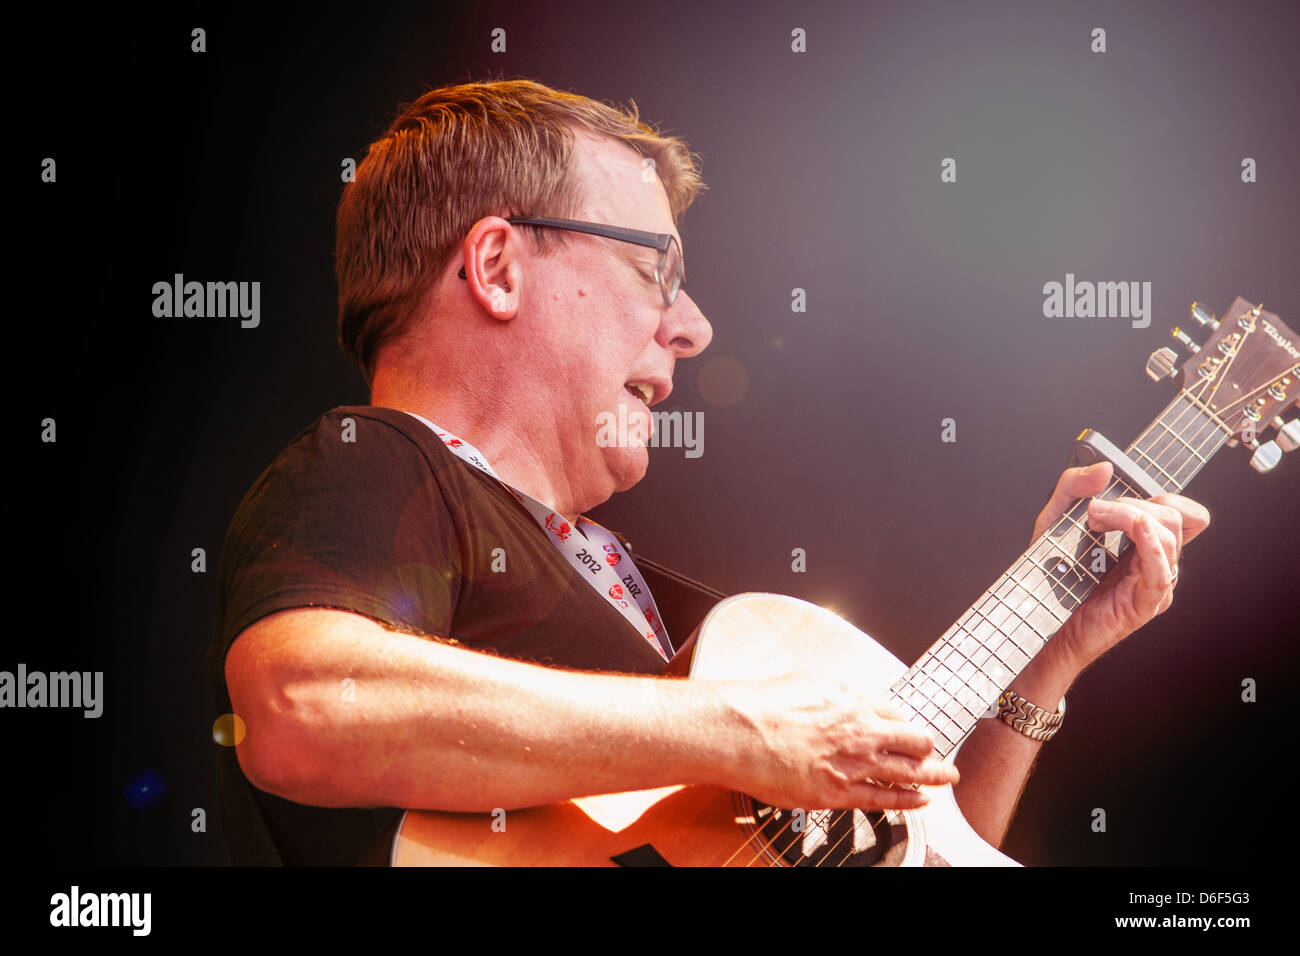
(826, 837)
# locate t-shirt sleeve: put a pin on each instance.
(349, 517)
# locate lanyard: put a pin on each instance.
(594, 552)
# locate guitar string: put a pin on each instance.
(1115, 482)
(1211, 418)
(1203, 443)
(1175, 429)
(836, 816)
(1216, 381)
(964, 628)
(766, 848)
(1222, 375)
(1195, 398)
(1207, 418)
(1294, 370)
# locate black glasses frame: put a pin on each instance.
(661, 241)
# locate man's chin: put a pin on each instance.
(627, 466)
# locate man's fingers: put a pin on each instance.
(1123, 514)
(900, 737)
(1195, 517)
(899, 768)
(890, 770)
(1157, 575)
(868, 794)
(1075, 483)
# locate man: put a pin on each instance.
(391, 542)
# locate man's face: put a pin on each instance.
(606, 329)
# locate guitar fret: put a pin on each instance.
(1097, 542)
(980, 656)
(975, 669)
(1041, 602)
(920, 700)
(948, 724)
(1209, 432)
(993, 648)
(964, 704)
(1061, 591)
(1036, 605)
(1205, 410)
(1062, 582)
(959, 678)
(945, 691)
(987, 681)
(1085, 532)
(1162, 446)
(1179, 438)
(1213, 438)
(1172, 481)
(1010, 635)
(1119, 481)
(965, 670)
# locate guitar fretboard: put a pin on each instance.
(962, 675)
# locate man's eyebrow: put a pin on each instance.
(634, 254)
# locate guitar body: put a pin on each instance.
(746, 637)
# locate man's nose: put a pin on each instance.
(684, 328)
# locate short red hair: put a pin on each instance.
(458, 154)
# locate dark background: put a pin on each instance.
(924, 302)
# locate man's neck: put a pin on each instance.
(525, 454)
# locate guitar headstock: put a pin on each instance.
(1247, 374)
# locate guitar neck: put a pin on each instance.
(962, 675)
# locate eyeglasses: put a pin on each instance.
(670, 270)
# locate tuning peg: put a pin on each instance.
(1161, 363)
(1266, 457)
(1288, 435)
(1185, 340)
(1204, 316)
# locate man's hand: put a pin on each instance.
(816, 743)
(1142, 586)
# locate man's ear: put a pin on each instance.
(492, 268)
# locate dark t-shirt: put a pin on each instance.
(367, 511)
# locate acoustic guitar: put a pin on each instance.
(1245, 377)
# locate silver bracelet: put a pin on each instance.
(1019, 714)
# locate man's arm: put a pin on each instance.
(431, 726)
(427, 725)
(996, 760)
